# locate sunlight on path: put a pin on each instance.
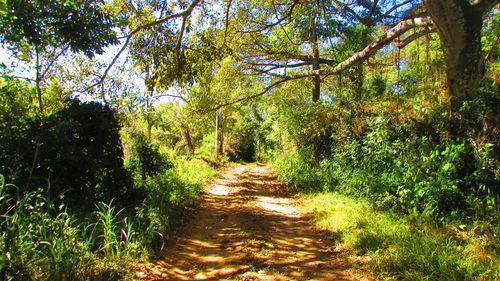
(246, 228)
(280, 205)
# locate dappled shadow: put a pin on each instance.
(247, 229)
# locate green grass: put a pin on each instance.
(406, 248)
(41, 241)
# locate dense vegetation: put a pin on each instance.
(384, 115)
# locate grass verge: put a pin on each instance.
(394, 247)
(41, 241)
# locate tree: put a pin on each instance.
(299, 35)
(459, 24)
(43, 30)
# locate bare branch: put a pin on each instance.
(171, 96)
(183, 13)
(226, 22)
(392, 9)
(367, 20)
(261, 93)
(278, 22)
(414, 37)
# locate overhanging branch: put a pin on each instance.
(358, 57)
(183, 13)
(376, 45)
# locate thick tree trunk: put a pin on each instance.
(186, 133)
(459, 27)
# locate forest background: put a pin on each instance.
(114, 113)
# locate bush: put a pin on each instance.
(146, 159)
(76, 152)
(36, 235)
(168, 194)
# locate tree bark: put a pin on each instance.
(315, 65)
(186, 133)
(459, 27)
(220, 142)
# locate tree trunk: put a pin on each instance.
(219, 137)
(459, 27)
(220, 142)
(38, 81)
(316, 91)
(187, 137)
(149, 130)
(315, 66)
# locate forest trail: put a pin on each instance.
(246, 228)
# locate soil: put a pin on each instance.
(247, 228)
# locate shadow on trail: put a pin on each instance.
(247, 229)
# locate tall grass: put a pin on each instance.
(170, 192)
(407, 248)
(35, 236)
(42, 241)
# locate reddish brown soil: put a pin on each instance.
(246, 228)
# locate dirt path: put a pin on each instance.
(247, 229)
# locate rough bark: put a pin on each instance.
(459, 27)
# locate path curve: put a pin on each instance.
(246, 228)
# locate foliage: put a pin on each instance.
(76, 152)
(81, 24)
(411, 248)
(399, 156)
(381, 130)
(168, 193)
(146, 159)
(41, 240)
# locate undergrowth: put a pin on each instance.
(40, 240)
(407, 247)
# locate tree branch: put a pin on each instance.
(401, 44)
(56, 57)
(378, 44)
(182, 13)
(358, 57)
(280, 20)
(263, 92)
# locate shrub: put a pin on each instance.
(146, 159)
(37, 235)
(76, 151)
